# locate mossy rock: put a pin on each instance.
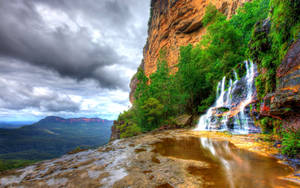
(184, 120)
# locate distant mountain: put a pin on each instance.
(52, 137)
(55, 119)
(14, 124)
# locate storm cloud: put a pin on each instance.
(78, 39)
(29, 90)
(69, 57)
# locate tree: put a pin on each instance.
(153, 110)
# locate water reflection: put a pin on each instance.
(227, 166)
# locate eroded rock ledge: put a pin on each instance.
(163, 159)
(284, 103)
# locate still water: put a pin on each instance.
(228, 166)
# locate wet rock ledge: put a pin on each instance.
(173, 158)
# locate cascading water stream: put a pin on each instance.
(227, 103)
(229, 110)
(235, 75)
(218, 89)
(228, 98)
(220, 101)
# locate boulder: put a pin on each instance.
(184, 120)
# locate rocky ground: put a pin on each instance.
(139, 162)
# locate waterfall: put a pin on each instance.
(230, 109)
(218, 89)
(228, 98)
(235, 75)
(220, 100)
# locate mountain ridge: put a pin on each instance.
(71, 120)
(52, 137)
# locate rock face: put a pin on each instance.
(115, 133)
(134, 82)
(176, 23)
(285, 102)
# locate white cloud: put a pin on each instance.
(56, 18)
(36, 93)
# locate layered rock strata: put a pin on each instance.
(284, 103)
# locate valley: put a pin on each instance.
(52, 137)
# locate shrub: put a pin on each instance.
(211, 14)
(129, 130)
(291, 142)
(11, 164)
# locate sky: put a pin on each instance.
(69, 58)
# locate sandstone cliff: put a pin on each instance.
(175, 23)
(284, 103)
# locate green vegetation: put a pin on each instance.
(290, 142)
(155, 103)
(128, 127)
(262, 30)
(46, 140)
(222, 49)
(11, 164)
(274, 131)
(270, 125)
(268, 46)
(211, 14)
(192, 89)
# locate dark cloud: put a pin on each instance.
(26, 96)
(26, 89)
(23, 86)
(113, 13)
(25, 35)
(47, 46)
